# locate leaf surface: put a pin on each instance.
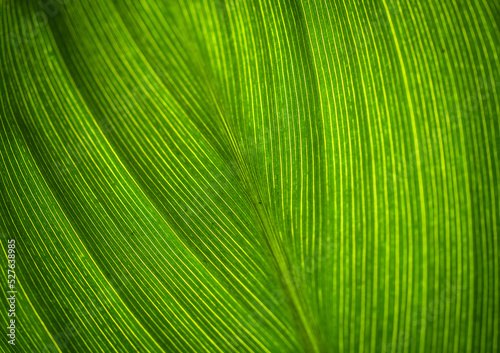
(252, 176)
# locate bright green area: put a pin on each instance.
(251, 176)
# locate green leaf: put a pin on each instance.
(250, 176)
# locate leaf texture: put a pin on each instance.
(252, 176)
